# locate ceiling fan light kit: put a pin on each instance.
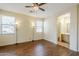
(36, 6)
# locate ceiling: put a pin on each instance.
(50, 8)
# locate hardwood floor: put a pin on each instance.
(36, 48)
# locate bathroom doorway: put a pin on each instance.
(63, 30)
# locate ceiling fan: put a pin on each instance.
(36, 6)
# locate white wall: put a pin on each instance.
(78, 26)
(50, 29)
(51, 33)
(24, 29)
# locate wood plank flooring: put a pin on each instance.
(36, 48)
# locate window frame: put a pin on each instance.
(14, 25)
(41, 27)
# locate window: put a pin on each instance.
(39, 26)
(7, 25)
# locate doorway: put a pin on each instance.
(63, 30)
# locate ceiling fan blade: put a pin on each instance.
(28, 6)
(41, 4)
(36, 3)
(42, 9)
(31, 11)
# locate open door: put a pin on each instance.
(63, 30)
